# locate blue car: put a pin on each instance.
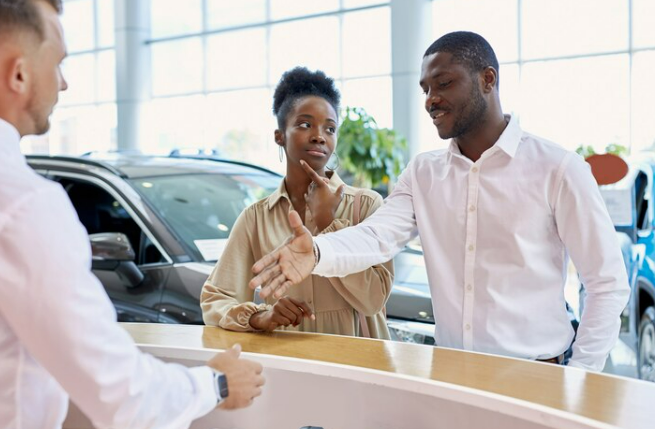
(630, 203)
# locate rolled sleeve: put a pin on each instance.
(203, 380)
(587, 231)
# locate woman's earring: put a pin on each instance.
(336, 162)
(281, 153)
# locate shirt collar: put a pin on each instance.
(10, 143)
(511, 137)
(508, 141)
(281, 191)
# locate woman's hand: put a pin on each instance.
(287, 311)
(321, 201)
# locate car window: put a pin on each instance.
(201, 208)
(100, 212)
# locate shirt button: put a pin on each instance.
(472, 208)
(471, 247)
(467, 327)
(469, 287)
(474, 169)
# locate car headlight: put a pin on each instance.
(411, 332)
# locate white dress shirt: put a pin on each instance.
(58, 330)
(496, 235)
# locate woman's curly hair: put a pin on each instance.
(300, 82)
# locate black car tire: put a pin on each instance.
(646, 346)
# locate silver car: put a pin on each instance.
(157, 225)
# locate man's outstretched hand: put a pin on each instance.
(287, 265)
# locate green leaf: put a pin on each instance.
(375, 156)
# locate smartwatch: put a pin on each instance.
(220, 386)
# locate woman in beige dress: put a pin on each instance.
(306, 105)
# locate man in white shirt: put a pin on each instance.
(58, 331)
(498, 213)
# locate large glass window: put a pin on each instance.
(568, 70)
(236, 59)
(305, 43)
(79, 129)
(172, 18)
(229, 50)
(106, 27)
(495, 20)
(84, 120)
(215, 65)
(177, 67)
(360, 3)
(80, 73)
(241, 125)
(643, 94)
(281, 9)
(557, 28)
(643, 21)
(365, 53)
(106, 76)
(510, 91)
(563, 101)
(173, 122)
(230, 13)
(374, 94)
(77, 21)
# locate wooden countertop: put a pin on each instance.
(617, 401)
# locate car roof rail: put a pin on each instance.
(78, 160)
(227, 161)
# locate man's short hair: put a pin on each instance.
(469, 48)
(23, 15)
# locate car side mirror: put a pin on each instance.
(112, 251)
(111, 246)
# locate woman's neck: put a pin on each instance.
(297, 182)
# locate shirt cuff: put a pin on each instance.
(203, 380)
(576, 364)
(327, 257)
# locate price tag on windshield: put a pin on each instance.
(211, 250)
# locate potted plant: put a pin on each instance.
(612, 148)
(374, 156)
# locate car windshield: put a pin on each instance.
(202, 208)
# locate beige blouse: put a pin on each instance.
(226, 299)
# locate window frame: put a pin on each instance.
(125, 203)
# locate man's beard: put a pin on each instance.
(471, 114)
(40, 117)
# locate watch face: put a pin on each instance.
(222, 386)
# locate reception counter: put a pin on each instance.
(343, 382)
